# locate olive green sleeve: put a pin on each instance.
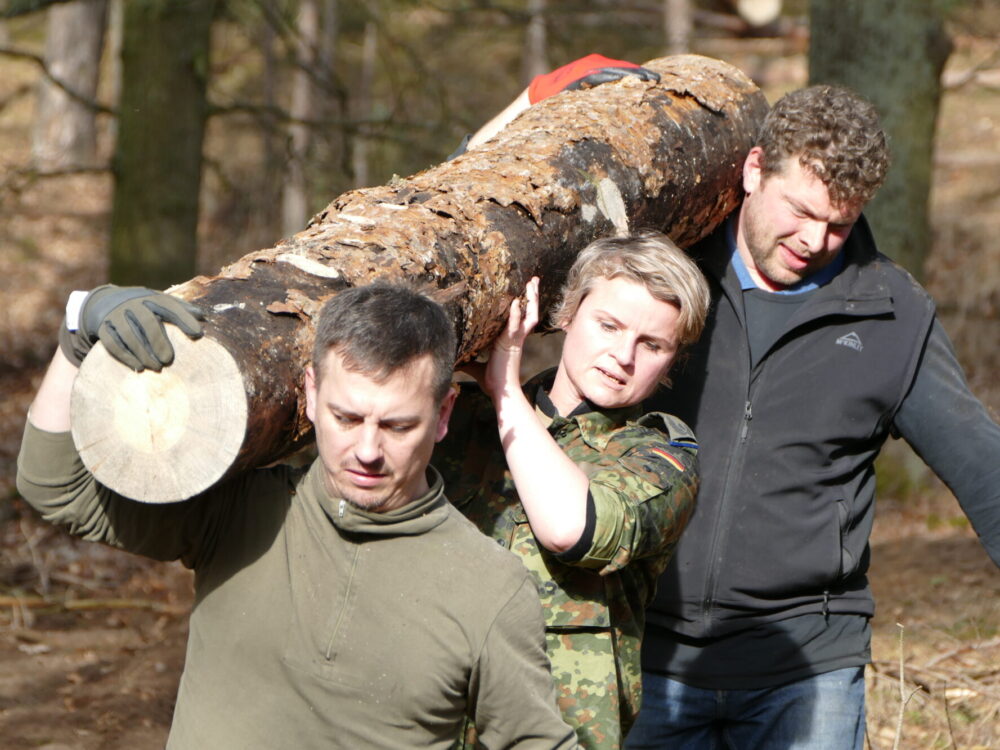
(53, 480)
(513, 701)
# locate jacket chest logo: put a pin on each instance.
(851, 340)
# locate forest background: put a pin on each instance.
(301, 101)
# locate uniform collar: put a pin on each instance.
(595, 424)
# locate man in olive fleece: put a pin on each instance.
(342, 605)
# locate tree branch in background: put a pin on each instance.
(14, 8)
(39, 61)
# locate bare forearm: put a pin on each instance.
(50, 409)
(552, 489)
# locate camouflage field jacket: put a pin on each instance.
(643, 481)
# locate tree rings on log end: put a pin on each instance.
(160, 437)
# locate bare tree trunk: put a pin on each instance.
(892, 53)
(536, 59)
(580, 165)
(161, 126)
(295, 197)
(677, 25)
(65, 133)
(115, 33)
(363, 106)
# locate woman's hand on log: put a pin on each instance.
(129, 322)
(502, 373)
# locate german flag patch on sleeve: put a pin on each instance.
(668, 458)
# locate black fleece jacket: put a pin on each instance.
(786, 504)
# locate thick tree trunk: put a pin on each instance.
(472, 231)
(161, 125)
(892, 52)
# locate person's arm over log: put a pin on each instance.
(585, 72)
(50, 475)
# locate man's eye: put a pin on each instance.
(609, 327)
(652, 346)
(343, 419)
(400, 429)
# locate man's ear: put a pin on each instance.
(753, 169)
(309, 385)
(444, 414)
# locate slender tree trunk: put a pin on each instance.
(65, 133)
(154, 216)
(892, 52)
(677, 26)
(580, 165)
(363, 106)
(295, 197)
(115, 32)
(536, 59)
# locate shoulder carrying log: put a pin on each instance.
(578, 166)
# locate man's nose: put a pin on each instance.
(368, 449)
(813, 235)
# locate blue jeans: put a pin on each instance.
(825, 712)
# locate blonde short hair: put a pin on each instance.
(649, 258)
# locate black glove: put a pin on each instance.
(607, 75)
(128, 320)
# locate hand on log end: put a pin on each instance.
(160, 436)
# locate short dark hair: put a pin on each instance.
(382, 327)
(835, 133)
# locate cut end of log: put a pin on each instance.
(160, 437)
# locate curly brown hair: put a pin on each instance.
(836, 134)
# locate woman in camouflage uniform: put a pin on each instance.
(569, 474)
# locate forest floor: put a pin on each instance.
(92, 640)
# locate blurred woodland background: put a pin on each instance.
(145, 141)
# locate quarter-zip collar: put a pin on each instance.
(416, 517)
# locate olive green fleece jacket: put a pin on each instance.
(319, 625)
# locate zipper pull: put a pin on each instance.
(747, 416)
(340, 510)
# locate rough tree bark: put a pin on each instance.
(472, 231)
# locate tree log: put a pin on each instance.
(472, 231)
